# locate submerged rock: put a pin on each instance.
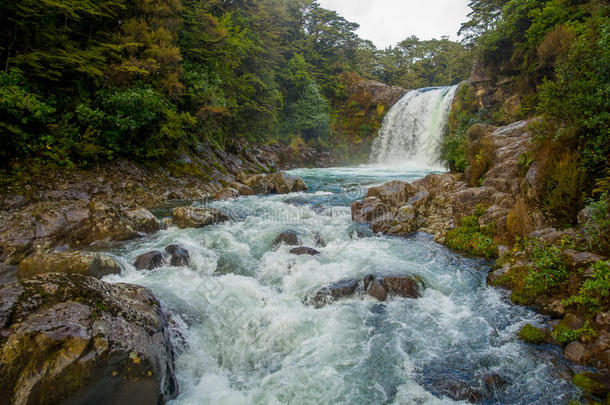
(300, 251)
(67, 338)
(197, 217)
(289, 238)
(330, 294)
(71, 262)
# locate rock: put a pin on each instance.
(71, 262)
(493, 382)
(405, 287)
(550, 306)
(143, 220)
(572, 321)
(180, 256)
(359, 231)
(289, 238)
(575, 352)
(458, 391)
(603, 319)
(377, 290)
(592, 383)
(197, 217)
(300, 251)
(74, 339)
(276, 183)
(328, 295)
(150, 260)
(226, 194)
(393, 193)
(578, 260)
(241, 188)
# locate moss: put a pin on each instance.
(589, 385)
(469, 237)
(532, 334)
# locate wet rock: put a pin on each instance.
(493, 382)
(300, 251)
(575, 352)
(150, 260)
(179, 255)
(360, 231)
(289, 238)
(71, 262)
(593, 383)
(318, 240)
(459, 391)
(330, 294)
(197, 217)
(405, 287)
(74, 339)
(377, 290)
(550, 306)
(226, 194)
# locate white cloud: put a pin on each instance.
(387, 22)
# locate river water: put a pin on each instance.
(246, 336)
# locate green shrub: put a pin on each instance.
(548, 270)
(564, 335)
(597, 228)
(594, 294)
(469, 237)
(532, 334)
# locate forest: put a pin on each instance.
(84, 82)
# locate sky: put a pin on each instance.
(387, 22)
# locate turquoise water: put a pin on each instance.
(245, 335)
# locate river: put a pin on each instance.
(245, 335)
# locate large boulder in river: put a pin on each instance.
(71, 262)
(275, 183)
(150, 260)
(67, 338)
(197, 217)
(290, 238)
(179, 255)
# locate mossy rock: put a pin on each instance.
(532, 334)
(589, 385)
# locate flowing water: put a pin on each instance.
(413, 127)
(246, 336)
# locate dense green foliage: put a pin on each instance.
(471, 238)
(555, 55)
(548, 272)
(594, 293)
(92, 80)
(597, 227)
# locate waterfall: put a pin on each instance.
(412, 129)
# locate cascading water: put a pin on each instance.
(413, 127)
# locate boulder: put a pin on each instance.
(330, 294)
(71, 262)
(197, 217)
(143, 220)
(300, 251)
(150, 260)
(275, 183)
(377, 290)
(242, 189)
(180, 256)
(405, 287)
(68, 338)
(394, 193)
(575, 352)
(579, 260)
(226, 193)
(289, 238)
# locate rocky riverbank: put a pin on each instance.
(494, 213)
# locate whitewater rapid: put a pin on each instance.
(245, 336)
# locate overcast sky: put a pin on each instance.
(387, 22)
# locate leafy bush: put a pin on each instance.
(564, 335)
(469, 237)
(597, 227)
(481, 155)
(548, 271)
(594, 294)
